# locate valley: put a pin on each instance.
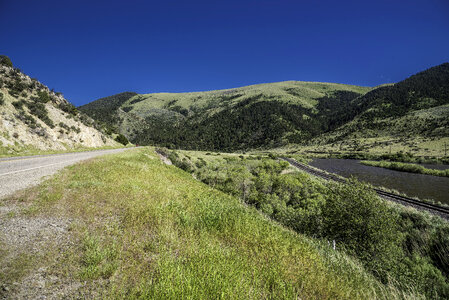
(128, 224)
(207, 207)
(202, 150)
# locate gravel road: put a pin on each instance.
(17, 173)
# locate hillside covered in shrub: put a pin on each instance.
(416, 106)
(34, 117)
(398, 245)
(277, 114)
(241, 118)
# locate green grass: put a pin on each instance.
(295, 92)
(224, 120)
(422, 149)
(27, 150)
(405, 167)
(393, 244)
(142, 229)
(420, 132)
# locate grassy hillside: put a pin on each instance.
(411, 115)
(128, 225)
(104, 110)
(301, 93)
(397, 244)
(247, 117)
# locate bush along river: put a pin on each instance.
(414, 185)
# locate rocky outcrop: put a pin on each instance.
(33, 116)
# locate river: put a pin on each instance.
(411, 184)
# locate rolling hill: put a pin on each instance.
(240, 118)
(286, 113)
(34, 118)
(412, 115)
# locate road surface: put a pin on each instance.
(17, 173)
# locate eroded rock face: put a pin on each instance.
(33, 116)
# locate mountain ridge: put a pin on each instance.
(289, 112)
(170, 113)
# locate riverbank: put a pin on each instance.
(424, 187)
(406, 167)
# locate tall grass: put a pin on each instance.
(387, 240)
(404, 167)
(141, 229)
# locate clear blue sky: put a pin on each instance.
(92, 49)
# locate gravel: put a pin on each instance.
(32, 234)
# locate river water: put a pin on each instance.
(411, 184)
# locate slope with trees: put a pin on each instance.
(407, 114)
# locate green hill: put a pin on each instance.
(407, 114)
(101, 109)
(411, 115)
(241, 118)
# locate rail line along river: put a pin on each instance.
(411, 184)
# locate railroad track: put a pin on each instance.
(433, 208)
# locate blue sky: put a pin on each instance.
(93, 49)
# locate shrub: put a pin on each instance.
(18, 104)
(27, 119)
(39, 110)
(40, 131)
(43, 96)
(2, 100)
(162, 151)
(4, 60)
(76, 129)
(187, 165)
(174, 157)
(200, 163)
(357, 218)
(406, 167)
(19, 86)
(16, 87)
(108, 130)
(122, 139)
(68, 108)
(63, 125)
